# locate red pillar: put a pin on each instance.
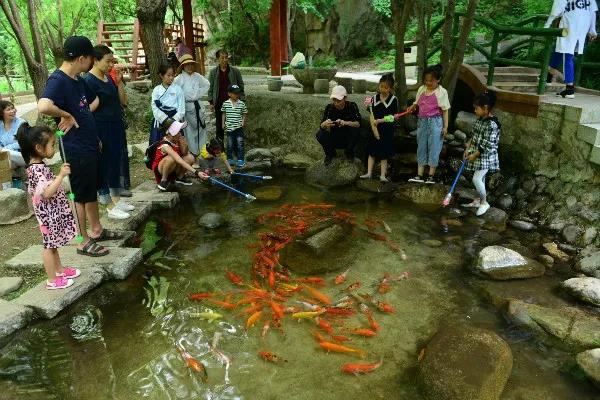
(275, 36)
(188, 25)
(283, 22)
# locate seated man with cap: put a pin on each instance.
(339, 125)
(194, 87)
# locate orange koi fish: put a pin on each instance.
(341, 311)
(270, 357)
(341, 278)
(318, 336)
(364, 332)
(323, 324)
(338, 348)
(339, 338)
(360, 368)
(253, 319)
(353, 286)
(317, 295)
(312, 280)
(222, 304)
(384, 307)
(252, 309)
(194, 364)
(200, 296)
(235, 279)
(277, 309)
(265, 328)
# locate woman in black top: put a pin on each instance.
(339, 125)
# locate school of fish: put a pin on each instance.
(272, 295)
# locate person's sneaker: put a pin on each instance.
(126, 193)
(365, 176)
(104, 199)
(122, 205)
(241, 163)
(473, 204)
(430, 180)
(382, 178)
(568, 93)
(117, 213)
(183, 181)
(231, 162)
(417, 179)
(69, 273)
(59, 283)
(163, 186)
(483, 208)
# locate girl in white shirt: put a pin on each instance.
(168, 102)
(579, 17)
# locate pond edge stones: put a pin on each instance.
(585, 289)
(500, 263)
(589, 362)
(465, 363)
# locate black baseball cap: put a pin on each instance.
(77, 46)
(234, 89)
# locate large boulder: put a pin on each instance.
(585, 289)
(590, 265)
(13, 206)
(466, 363)
(465, 121)
(297, 161)
(589, 362)
(566, 327)
(421, 194)
(500, 263)
(258, 154)
(495, 216)
(340, 172)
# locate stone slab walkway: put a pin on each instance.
(38, 302)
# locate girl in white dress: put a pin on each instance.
(167, 102)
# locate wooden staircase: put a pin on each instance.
(124, 39)
(519, 79)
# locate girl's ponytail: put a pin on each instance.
(29, 137)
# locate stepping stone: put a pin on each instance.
(10, 284)
(147, 192)
(125, 240)
(137, 217)
(117, 264)
(48, 303)
(13, 317)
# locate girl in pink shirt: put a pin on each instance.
(433, 105)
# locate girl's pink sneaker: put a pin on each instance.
(59, 283)
(69, 273)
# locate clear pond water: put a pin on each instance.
(121, 340)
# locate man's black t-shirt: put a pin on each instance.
(348, 113)
(73, 96)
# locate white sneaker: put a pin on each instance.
(482, 209)
(124, 206)
(365, 176)
(116, 213)
(382, 178)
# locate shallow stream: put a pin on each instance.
(121, 340)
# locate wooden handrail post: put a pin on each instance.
(492, 59)
(545, 61)
(134, 49)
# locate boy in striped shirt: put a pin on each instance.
(234, 117)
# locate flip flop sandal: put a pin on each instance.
(107, 235)
(93, 249)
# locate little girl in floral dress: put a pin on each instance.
(50, 203)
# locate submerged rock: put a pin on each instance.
(466, 363)
(566, 327)
(340, 172)
(495, 216)
(268, 193)
(555, 252)
(547, 260)
(590, 265)
(584, 289)
(211, 220)
(522, 225)
(589, 362)
(297, 161)
(500, 263)
(505, 202)
(421, 193)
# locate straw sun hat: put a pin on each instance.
(183, 60)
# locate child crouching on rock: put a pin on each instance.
(209, 155)
(482, 149)
(50, 203)
(172, 158)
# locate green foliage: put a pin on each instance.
(324, 62)
(382, 6)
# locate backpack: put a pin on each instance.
(150, 153)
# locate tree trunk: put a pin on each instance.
(451, 75)
(400, 14)
(447, 35)
(151, 14)
(422, 38)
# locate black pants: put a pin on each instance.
(219, 124)
(341, 138)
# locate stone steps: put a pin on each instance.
(589, 133)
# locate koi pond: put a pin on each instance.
(223, 313)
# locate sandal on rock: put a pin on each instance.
(93, 249)
(69, 273)
(59, 283)
(107, 235)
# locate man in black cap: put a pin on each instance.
(68, 99)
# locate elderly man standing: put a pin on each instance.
(339, 125)
(220, 77)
